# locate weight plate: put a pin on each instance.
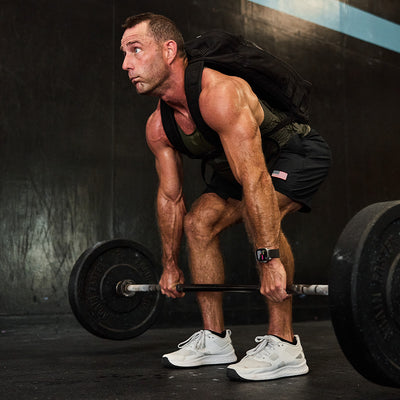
(92, 290)
(364, 292)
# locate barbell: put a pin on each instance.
(129, 288)
(114, 294)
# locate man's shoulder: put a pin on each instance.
(225, 98)
(223, 91)
(212, 77)
(154, 122)
(154, 125)
(216, 85)
(155, 133)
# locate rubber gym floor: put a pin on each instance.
(55, 358)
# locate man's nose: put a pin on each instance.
(127, 64)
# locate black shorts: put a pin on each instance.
(301, 167)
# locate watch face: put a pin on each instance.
(266, 255)
(262, 255)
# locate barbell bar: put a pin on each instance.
(364, 295)
(129, 288)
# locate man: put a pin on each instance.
(155, 61)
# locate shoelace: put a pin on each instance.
(197, 340)
(263, 343)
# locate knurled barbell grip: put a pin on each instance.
(216, 288)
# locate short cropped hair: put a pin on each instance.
(162, 29)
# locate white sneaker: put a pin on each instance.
(272, 358)
(202, 348)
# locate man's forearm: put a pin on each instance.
(262, 213)
(170, 220)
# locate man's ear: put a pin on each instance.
(170, 50)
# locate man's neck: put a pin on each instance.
(174, 94)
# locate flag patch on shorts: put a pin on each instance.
(279, 174)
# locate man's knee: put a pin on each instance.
(199, 224)
(209, 216)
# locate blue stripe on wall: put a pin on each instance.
(341, 17)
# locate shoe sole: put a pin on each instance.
(168, 364)
(285, 372)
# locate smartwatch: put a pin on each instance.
(266, 255)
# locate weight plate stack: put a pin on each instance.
(364, 292)
(93, 296)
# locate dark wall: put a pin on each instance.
(75, 168)
(56, 145)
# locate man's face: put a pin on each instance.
(143, 60)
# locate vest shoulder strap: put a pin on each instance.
(193, 76)
(171, 128)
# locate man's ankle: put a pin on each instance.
(220, 334)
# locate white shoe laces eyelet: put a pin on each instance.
(197, 340)
(264, 345)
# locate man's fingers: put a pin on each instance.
(275, 295)
(172, 293)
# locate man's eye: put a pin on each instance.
(137, 50)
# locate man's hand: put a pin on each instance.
(169, 279)
(273, 280)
